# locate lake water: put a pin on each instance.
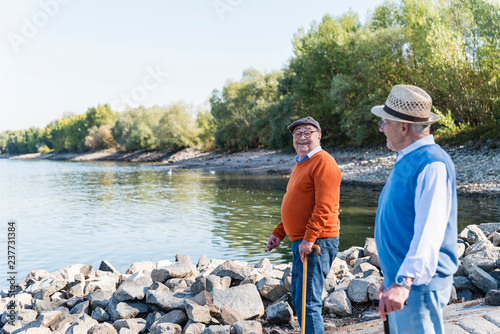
(85, 212)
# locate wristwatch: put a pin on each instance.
(401, 281)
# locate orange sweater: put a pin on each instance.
(310, 207)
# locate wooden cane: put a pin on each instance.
(304, 291)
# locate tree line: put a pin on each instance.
(340, 68)
(156, 128)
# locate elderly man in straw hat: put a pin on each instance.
(416, 222)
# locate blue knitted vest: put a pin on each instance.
(394, 223)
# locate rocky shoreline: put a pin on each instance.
(478, 169)
(216, 296)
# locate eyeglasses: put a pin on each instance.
(307, 134)
(382, 124)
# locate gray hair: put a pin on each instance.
(420, 128)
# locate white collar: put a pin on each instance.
(427, 140)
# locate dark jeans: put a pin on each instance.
(318, 267)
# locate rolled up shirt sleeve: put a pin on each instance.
(433, 197)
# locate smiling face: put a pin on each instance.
(305, 145)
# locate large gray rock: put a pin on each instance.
(47, 318)
(373, 288)
(210, 283)
(358, 289)
(48, 285)
(350, 254)
(197, 313)
(462, 283)
(176, 317)
(183, 258)
(73, 301)
(264, 264)
(23, 300)
(68, 273)
(100, 315)
(217, 329)
(472, 234)
(65, 321)
(152, 317)
(374, 260)
(279, 312)
(166, 299)
(165, 328)
(36, 275)
(103, 328)
(494, 238)
(338, 304)
(235, 269)
(228, 316)
(105, 283)
(271, 288)
(247, 327)
(339, 269)
(106, 266)
(175, 284)
(244, 299)
(136, 324)
(482, 245)
(493, 298)
(134, 287)
(364, 269)
(76, 289)
(330, 284)
(126, 310)
(176, 270)
(203, 262)
(203, 298)
(194, 328)
(82, 325)
(489, 228)
(370, 247)
(344, 283)
(482, 279)
(41, 305)
(99, 299)
(141, 267)
(485, 259)
(81, 308)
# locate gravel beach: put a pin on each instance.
(478, 169)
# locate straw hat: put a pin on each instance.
(408, 104)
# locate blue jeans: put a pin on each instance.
(318, 267)
(423, 314)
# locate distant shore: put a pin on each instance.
(478, 169)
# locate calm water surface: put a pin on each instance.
(85, 212)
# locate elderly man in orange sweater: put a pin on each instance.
(309, 215)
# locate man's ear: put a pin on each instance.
(405, 129)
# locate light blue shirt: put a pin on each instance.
(308, 155)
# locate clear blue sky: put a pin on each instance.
(61, 56)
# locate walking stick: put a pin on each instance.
(386, 322)
(304, 291)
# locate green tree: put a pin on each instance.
(177, 128)
(240, 111)
(101, 115)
